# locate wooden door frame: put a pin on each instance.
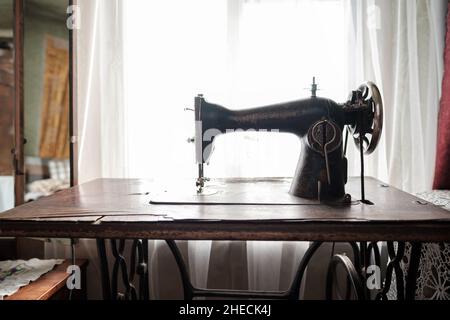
(73, 119)
(18, 151)
(19, 117)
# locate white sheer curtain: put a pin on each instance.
(101, 112)
(140, 63)
(399, 45)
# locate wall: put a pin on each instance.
(6, 14)
(37, 28)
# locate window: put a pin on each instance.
(238, 54)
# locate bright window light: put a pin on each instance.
(238, 54)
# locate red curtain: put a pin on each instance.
(442, 176)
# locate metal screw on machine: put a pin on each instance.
(313, 88)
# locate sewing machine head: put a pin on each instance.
(322, 168)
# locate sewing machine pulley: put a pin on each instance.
(370, 122)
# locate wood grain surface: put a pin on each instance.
(120, 208)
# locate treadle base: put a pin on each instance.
(366, 256)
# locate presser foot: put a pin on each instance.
(200, 184)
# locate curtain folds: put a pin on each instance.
(399, 45)
(101, 110)
(137, 70)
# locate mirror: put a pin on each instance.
(6, 104)
(46, 97)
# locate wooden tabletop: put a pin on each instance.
(238, 209)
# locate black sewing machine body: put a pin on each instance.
(322, 167)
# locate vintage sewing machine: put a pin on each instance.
(320, 124)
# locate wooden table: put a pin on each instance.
(262, 210)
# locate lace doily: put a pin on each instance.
(433, 282)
